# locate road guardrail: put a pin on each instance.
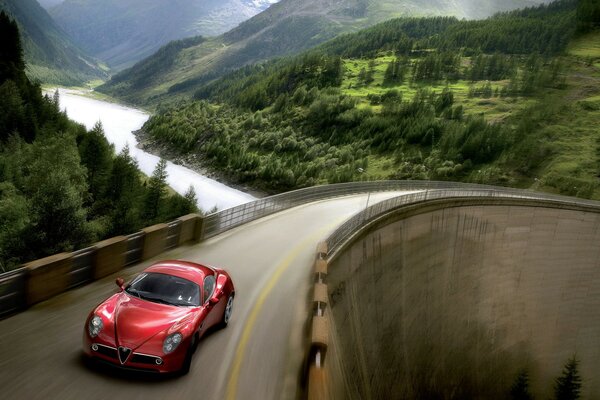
(13, 294)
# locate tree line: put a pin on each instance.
(567, 386)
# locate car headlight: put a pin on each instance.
(171, 342)
(95, 326)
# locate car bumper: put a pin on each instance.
(137, 360)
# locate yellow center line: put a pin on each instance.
(281, 268)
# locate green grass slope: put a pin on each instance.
(285, 28)
(51, 56)
(570, 128)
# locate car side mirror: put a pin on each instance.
(120, 283)
(213, 300)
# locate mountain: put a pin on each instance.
(121, 32)
(50, 54)
(284, 28)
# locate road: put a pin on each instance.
(258, 356)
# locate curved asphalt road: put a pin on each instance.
(258, 356)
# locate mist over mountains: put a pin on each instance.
(121, 32)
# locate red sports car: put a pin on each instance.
(155, 322)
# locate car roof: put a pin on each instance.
(184, 269)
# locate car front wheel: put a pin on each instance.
(187, 362)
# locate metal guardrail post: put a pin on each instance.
(12, 291)
(135, 245)
(82, 269)
(174, 230)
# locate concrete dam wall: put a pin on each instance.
(451, 303)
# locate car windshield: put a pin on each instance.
(166, 289)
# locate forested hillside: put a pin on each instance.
(62, 187)
(286, 28)
(512, 100)
(51, 56)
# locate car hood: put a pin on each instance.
(138, 320)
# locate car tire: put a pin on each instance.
(187, 362)
(227, 312)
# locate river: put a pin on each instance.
(120, 121)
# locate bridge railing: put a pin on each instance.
(90, 263)
(355, 223)
(224, 220)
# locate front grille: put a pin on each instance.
(106, 350)
(126, 367)
(145, 359)
(135, 357)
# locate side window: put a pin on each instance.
(209, 287)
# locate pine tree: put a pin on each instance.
(588, 15)
(370, 76)
(56, 100)
(12, 64)
(157, 191)
(394, 73)
(13, 110)
(191, 200)
(178, 205)
(56, 187)
(124, 192)
(520, 389)
(390, 73)
(332, 72)
(444, 100)
(14, 220)
(362, 76)
(568, 385)
(96, 154)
